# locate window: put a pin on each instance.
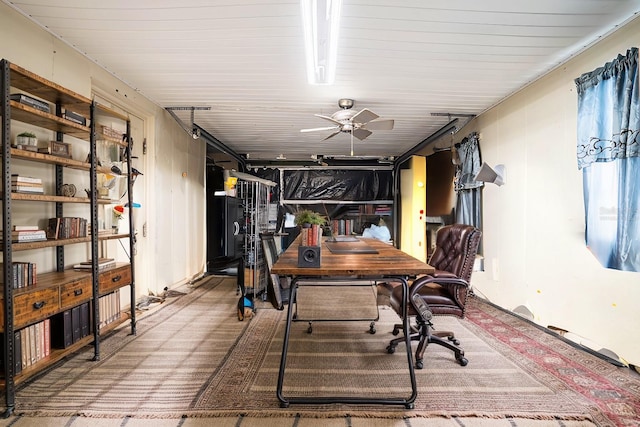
(608, 152)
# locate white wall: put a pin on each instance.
(173, 250)
(534, 246)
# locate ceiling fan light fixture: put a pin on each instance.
(321, 23)
(345, 103)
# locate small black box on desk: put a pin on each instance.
(309, 256)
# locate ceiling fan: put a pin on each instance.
(357, 123)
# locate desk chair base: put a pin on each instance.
(442, 334)
(424, 336)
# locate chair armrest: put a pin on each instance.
(442, 273)
(457, 287)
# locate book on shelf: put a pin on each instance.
(17, 351)
(25, 179)
(66, 228)
(100, 261)
(75, 117)
(25, 227)
(103, 264)
(35, 189)
(36, 232)
(26, 184)
(31, 102)
(24, 274)
(31, 344)
(109, 308)
(28, 236)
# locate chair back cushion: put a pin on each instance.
(456, 249)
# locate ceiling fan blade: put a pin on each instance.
(380, 124)
(332, 135)
(361, 133)
(317, 129)
(331, 119)
(364, 116)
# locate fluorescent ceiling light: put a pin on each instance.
(321, 21)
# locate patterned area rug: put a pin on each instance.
(610, 394)
(157, 373)
(193, 358)
(515, 370)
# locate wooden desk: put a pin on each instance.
(389, 264)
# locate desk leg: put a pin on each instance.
(408, 403)
(293, 287)
(407, 340)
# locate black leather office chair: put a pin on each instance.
(445, 292)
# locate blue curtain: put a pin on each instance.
(469, 197)
(608, 152)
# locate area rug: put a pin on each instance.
(609, 393)
(193, 358)
(158, 372)
(515, 370)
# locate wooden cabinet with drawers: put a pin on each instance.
(66, 124)
(114, 278)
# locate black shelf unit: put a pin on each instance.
(64, 288)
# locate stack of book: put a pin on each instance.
(342, 227)
(71, 325)
(26, 184)
(103, 264)
(109, 308)
(31, 102)
(23, 273)
(67, 228)
(27, 233)
(311, 236)
(75, 118)
(383, 210)
(32, 344)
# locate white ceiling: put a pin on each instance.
(403, 59)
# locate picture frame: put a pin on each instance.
(60, 149)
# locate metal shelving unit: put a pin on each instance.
(255, 194)
(63, 289)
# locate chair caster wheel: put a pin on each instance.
(395, 331)
(310, 329)
(409, 406)
(419, 364)
(284, 404)
(463, 361)
(372, 328)
(391, 349)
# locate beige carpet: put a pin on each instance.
(159, 372)
(344, 359)
(187, 361)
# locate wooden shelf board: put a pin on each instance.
(113, 236)
(27, 114)
(48, 158)
(48, 198)
(25, 246)
(38, 86)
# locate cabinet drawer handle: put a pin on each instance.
(38, 305)
(77, 292)
(115, 279)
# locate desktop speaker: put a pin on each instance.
(309, 256)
